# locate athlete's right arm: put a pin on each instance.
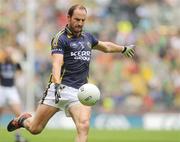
(57, 61)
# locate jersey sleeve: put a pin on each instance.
(57, 45)
(93, 39)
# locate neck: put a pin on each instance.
(72, 32)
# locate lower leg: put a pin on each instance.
(36, 124)
(33, 124)
(81, 117)
(82, 131)
(34, 129)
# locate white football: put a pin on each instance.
(88, 94)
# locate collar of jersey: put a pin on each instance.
(70, 33)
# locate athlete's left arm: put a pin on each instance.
(109, 47)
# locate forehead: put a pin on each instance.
(80, 13)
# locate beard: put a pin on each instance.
(76, 29)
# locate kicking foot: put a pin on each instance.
(16, 123)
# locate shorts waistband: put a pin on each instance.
(64, 86)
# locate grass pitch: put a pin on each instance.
(61, 135)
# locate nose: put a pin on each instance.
(81, 22)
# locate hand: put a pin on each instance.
(58, 89)
(128, 50)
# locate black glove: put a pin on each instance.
(128, 50)
(58, 89)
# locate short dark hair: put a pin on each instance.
(74, 7)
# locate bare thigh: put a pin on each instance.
(80, 113)
(42, 115)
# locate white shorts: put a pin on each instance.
(8, 96)
(68, 98)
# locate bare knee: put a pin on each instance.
(35, 130)
(32, 127)
(83, 126)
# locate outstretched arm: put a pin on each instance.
(109, 47)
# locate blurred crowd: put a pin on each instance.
(150, 82)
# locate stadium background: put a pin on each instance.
(143, 92)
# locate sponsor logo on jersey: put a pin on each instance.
(81, 55)
(73, 45)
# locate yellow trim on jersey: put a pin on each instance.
(56, 38)
(50, 78)
(62, 74)
(87, 79)
(69, 36)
